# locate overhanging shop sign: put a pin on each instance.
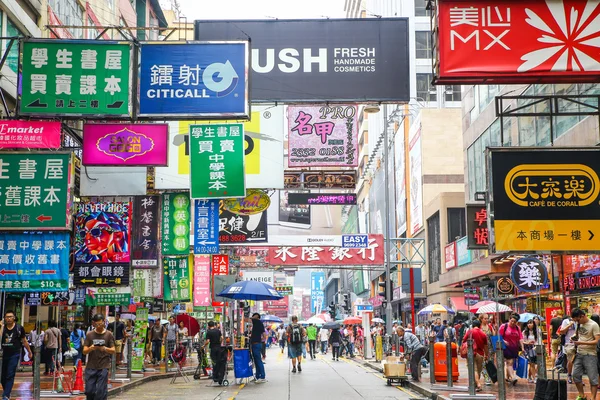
(311, 60)
(29, 134)
(582, 281)
(517, 41)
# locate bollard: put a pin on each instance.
(431, 360)
(471, 365)
(449, 361)
(397, 342)
(500, 365)
(113, 367)
(540, 351)
(130, 350)
(37, 392)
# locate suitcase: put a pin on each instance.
(556, 389)
(540, 389)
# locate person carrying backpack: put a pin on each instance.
(295, 334)
(13, 340)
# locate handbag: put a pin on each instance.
(464, 348)
(492, 371)
(522, 366)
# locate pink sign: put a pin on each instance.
(29, 134)
(323, 136)
(125, 144)
(450, 252)
(202, 297)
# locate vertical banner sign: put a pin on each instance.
(138, 342)
(477, 226)
(416, 178)
(36, 191)
(317, 291)
(102, 232)
(220, 266)
(323, 136)
(206, 227)
(75, 78)
(34, 262)
(146, 283)
(176, 224)
(202, 297)
(144, 246)
(176, 271)
(217, 161)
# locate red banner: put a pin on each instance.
(29, 134)
(277, 307)
(513, 41)
(220, 266)
(315, 255)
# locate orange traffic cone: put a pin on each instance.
(78, 386)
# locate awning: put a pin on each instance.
(458, 303)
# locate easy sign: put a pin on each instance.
(355, 241)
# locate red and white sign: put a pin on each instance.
(450, 251)
(277, 307)
(513, 41)
(220, 266)
(202, 296)
(315, 255)
(29, 135)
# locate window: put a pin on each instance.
(434, 252)
(425, 90)
(452, 92)
(421, 8)
(12, 60)
(70, 13)
(423, 44)
(153, 24)
(456, 224)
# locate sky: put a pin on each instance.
(261, 9)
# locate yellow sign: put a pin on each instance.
(559, 235)
(255, 202)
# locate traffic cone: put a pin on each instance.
(78, 386)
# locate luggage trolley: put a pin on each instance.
(203, 367)
(219, 374)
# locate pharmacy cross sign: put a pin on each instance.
(529, 274)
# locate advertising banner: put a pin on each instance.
(177, 281)
(217, 161)
(320, 179)
(36, 194)
(517, 42)
(29, 134)
(108, 297)
(580, 263)
(416, 178)
(400, 175)
(202, 297)
(138, 341)
(236, 228)
(259, 276)
(277, 307)
(144, 244)
(263, 136)
(285, 290)
(37, 262)
(194, 80)
(309, 60)
(102, 232)
(317, 291)
(75, 78)
(546, 199)
(175, 224)
(477, 226)
(323, 136)
(322, 199)
(125, 144)
(450, 255)
(251, 256)
(64, 298)
(220, 267)
(463, 254)
(147, 283)
(99, 275)
(206, 227)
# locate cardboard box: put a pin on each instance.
(394, 369)
(392, 360)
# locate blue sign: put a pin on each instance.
(206, 227)
(529, 274)
(355, 241)
(199, 80)
(317, 291)
(36, 262)
(364, 307)
(463, 254)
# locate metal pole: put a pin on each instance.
(431, 360)
(113, 367)
(129, 355)
(388, 294)
(541, 361)
(471, 365)
(449, 361)
(36, 371)
(499, 354)
(412, 296)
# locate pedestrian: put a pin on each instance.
(324, 338)
(585, 341)
(513, 337)
(420, 333)
(37, 340)
(99, 346)
(350, 340)
(281, 337)
(77, 337)
(296, 335)
(13, 340)
(52, 346)
(449, 332)
(555, 343)
(414, 349)
(488, 329)
(183, 334)
(213, 340)
(530, 340)
(568, 329)
(172, 337)
(335, 339)
(117, 327)
(158, 335)
(480, 350)
(311, 333)
(258, 330)
(65, 340)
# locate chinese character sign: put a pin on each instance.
(144, 244)
(176, 224)
(220, 266)
(323, 136)
(147, 283)
(529, 274)
(75, 78)
(317, 291)
(177, 284)
(37, 262)
(477, 227)
(238, 228)
(102, 232)
(97, 275)
(217, 161)
(108, 296)
(450, 254)
(322, 199)
(29, 134)
(206, 228)
(202, 267)
(36, 190)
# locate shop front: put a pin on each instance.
(581, 282)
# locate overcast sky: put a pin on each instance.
(261, 9)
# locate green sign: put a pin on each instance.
(217, 161)
(75, 77)
(108, 299)
(176, 224)
(177, 283)
(285, 290)
(35, 190)
(138, 342)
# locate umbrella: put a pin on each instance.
(492, 308)
(436, 308)
(527, 316)
(352, 321)
(128, 316)
(303, 322)
(475, 307)
(378, 320)
(189, 322)
(325, 317)
(315, 320)
(331, 325)
(153, 318)
(250, 290)
(270, 318)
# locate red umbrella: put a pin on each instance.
(352, 321)
(480, 304)
(189, 322)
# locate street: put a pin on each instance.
(322, 377)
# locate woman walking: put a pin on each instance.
(513, 337)
(530, 339)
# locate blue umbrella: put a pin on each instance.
(270, 318)
(250, 290)
(527, 316)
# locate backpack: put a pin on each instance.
(296, 336)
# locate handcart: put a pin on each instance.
(203, 367)
(395, 372)
(220, 366)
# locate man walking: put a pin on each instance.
(213, 339)
(324, 338)
(158, 335)
(172, 337)
(587, 336)
(52, 343)
(99, 346)
(256, 337)
(281, 337)
(13, 340)
(311, 333)
(414, 348)
(296, 336)
(118, 330)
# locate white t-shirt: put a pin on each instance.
(280, 333)
(324, 335)
(571, 330)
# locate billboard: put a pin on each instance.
(263, 276)
(202, 296)
(194, 80)
(546, 198)
(144, 243)
(478, 234)
(513, 41)
(311, 60)
(29, 134)
(415, 155)
(206, 226)
(125, 144)
(323, 136)
(175, 224)
(400, 175)
(320, 179)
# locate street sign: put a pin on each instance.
(36, 191)
(546, 199)
(98, 275)
(176, 224)
(206, 227)
(107, 297)
(217, 161)
(355, 241)
(364, 308)
(75, 78)
(529, 274)
(177, 282)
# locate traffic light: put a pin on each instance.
(332, 310)
(246, 307)
(382, 289)
(346, 303)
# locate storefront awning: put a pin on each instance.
(458, 303)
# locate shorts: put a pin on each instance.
(570, 351)
(555, 345)
(588, 364)
(295, 350)
(118, 346)
(478, 364)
